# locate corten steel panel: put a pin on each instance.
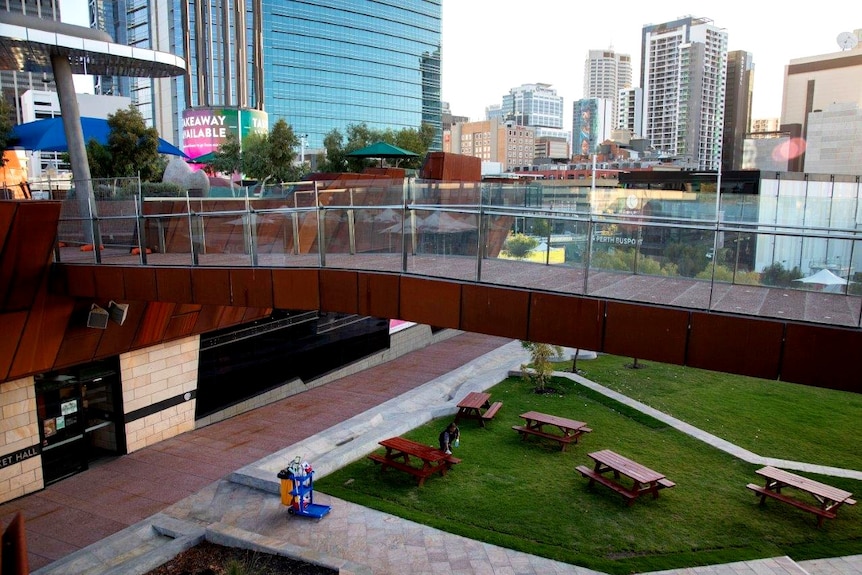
(209, 318)
(152, 328)
(646, 332)
(174, 285)
(378, 295)
(26, 253)
(233, 316)
(180, 326)
(110, 283)
(43, 334)
(7, 214)
(339, 291)
(431, 302)
(296, 289)
(118, 339)
(13, 328)
(495, 311)
(744, 346)
(78, 281)
(80, 342)
(251, 287)
(821, 356)
(255, 313)
(566, 320)
(211, 286)
(140, 283)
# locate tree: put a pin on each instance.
(360, 135)
(133, 147)
(519, 245)
(227, 159)
(272, 155)
(282, 153)
(254, 155)
(334, 159)
(540, 358)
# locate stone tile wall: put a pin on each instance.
(21, 470)
(159, 385)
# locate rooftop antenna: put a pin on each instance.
(847, 40)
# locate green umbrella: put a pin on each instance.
(382, 150)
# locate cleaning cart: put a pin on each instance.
(297, 490)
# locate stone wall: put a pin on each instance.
(159, 389)
(20, 464)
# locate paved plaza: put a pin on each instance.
(133, 513)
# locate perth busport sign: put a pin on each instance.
(205, 129)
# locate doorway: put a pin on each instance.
(80, 418)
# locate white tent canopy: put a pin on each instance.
(824, 277)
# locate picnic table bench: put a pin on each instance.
(644, 479)
(471, 406)
(401, 452)
(828, 498)
(535, 422)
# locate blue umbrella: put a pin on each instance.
(49, 135)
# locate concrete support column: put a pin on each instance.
(74, 139)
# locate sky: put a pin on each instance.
(487, 48)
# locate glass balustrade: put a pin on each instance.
(791, 252)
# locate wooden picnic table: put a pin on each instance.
(828, 498)
(401, 453)
(471, 406)
(568, 430)
(644, 479)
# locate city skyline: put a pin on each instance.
(477, 71)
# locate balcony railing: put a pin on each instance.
(660, 247)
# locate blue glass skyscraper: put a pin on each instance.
(331, 63)
(318, 64)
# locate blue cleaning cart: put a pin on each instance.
(297, 491)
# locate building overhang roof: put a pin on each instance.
(27, 44)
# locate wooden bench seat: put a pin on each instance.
(492, 411)
(764, 493)
(629, 494)
(666, 483)
(524, 430)
(418, 472)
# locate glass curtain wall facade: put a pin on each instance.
(329, 64)
(14, 84)
(110, 16)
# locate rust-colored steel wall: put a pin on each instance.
(51, 332)
(167, 303)
(735, 344)
(646, 332)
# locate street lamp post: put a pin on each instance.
(303, 140)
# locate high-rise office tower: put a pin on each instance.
(606, 73)
(737, 108)
(683, 76)
(537, 106)
(317, 64)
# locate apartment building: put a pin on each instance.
(506, 143)
(683, 76)
(606, 72)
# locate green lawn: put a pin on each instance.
(526, 495)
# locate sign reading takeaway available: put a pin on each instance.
(205, 129)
